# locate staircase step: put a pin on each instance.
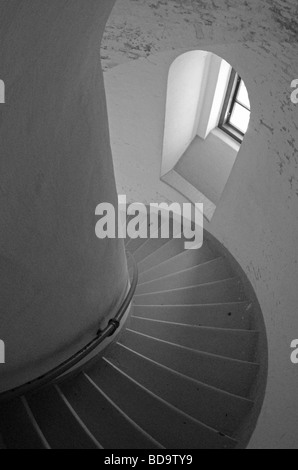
(170, 426)
(167, 251)
(235, 344)
(215, 270)
(59, 422)
(208, 405)
(134, 244)
(111, 427)
(229, 315)
(2, 445)
(185, 259)
(19, 428)
(127, 239)
(151, 245)
(229, 290)
(230, 375)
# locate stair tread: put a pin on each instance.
(228, 290)
(231, 375)
(59, 422)
(213, 270)
(236, 344)
(196, 305)
(167, 251)
(156, 241)
(177, 257)
(119, 431)
(171, 426)
(198, 327)
(185, 377)
(194, 350)
(205, 284)
(19, 427)
(135, 243)
(78, 419)
(41, 436)
(211, 406)
(149, 247)
(230, 315)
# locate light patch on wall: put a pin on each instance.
(185, 84)
(294, 95)
(294, 355)
(2, 92)
(2, 352)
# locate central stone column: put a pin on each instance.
(58, 282)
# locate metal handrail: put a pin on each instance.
(67, 365)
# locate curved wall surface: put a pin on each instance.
(256, 218)
(58, 282)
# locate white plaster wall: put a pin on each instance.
(223, 76)
(257, 216)
(186, 80)
(257, 221)
(58, 282)
(136, 97)
(207, 164)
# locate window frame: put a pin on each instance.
(228, 107)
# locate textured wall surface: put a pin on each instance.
(140, 28)
(257, 217)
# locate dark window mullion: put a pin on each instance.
(234, 97)
(243, 106)
(230, 102)
(227, 107)
(236, 129)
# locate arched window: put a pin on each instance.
(207, 115)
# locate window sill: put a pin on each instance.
(230, 141)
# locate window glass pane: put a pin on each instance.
(240, 118)
(242, 96)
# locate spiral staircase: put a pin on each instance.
(185, 372)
